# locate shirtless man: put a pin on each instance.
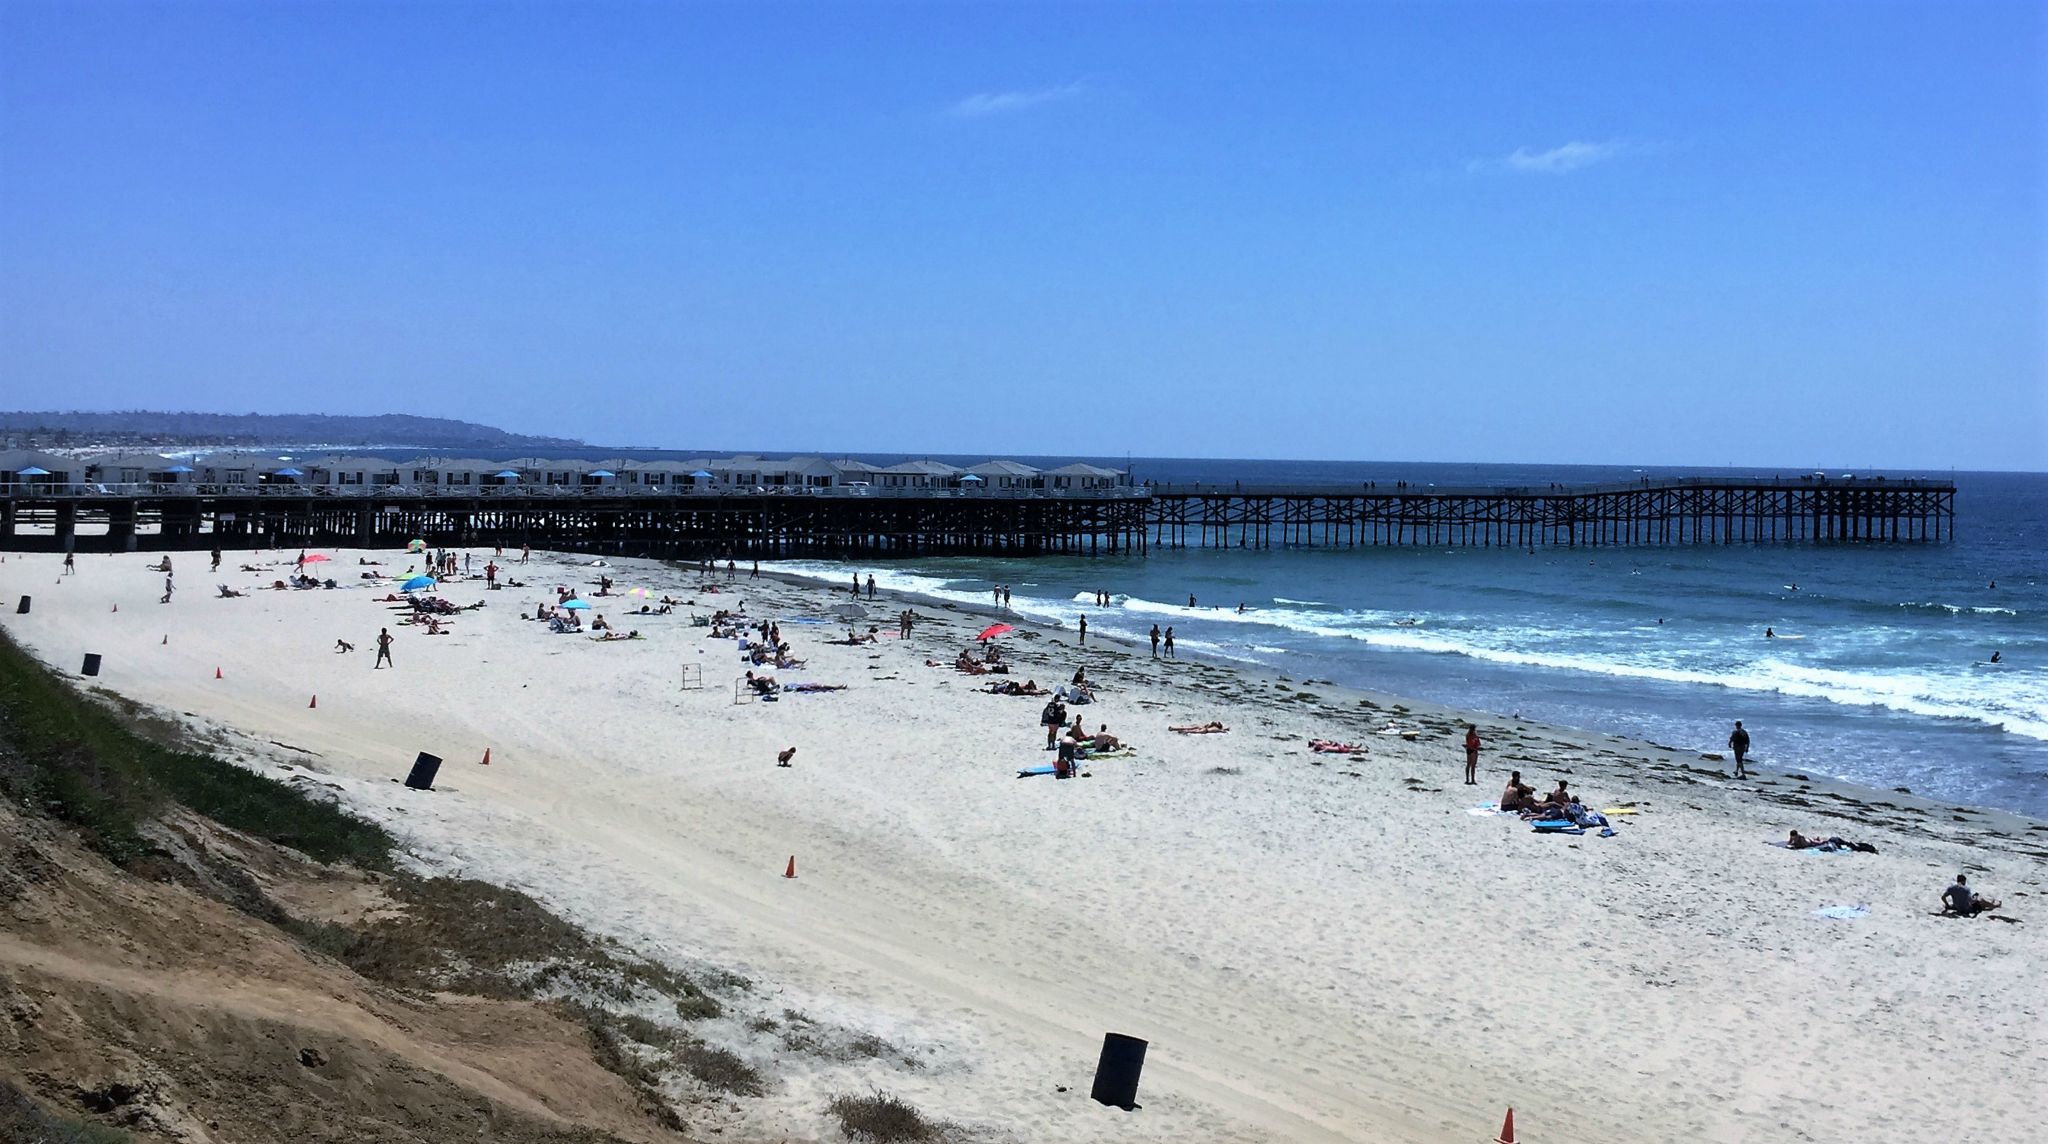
(1516, 796)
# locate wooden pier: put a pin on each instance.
(1651, 512)
(1120, 521)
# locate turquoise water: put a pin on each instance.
(1882, 676)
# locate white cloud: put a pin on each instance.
(998, 102)
(1561, 160)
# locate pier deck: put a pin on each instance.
(877, 525)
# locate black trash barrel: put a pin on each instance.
(1116, 1074)
(21, 609)
(423, 770)
(92, 664)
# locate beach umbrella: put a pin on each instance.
(993, 630)
(288, 473)
(418, 582)
(601, 473)
(850, 612)
(508, 475)
(701, 475)
(33, 471)
(970, 477)
(416, 546)
(639, 593)
(576, 605)
(179, 469)
(316, 558)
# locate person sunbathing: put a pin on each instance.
(966, 662)
(1332, 747)
(343, 647)
(1797, 841)
(763, 684)
(1200, 729)
(614, 637)
(1104, 741)
(227, 593)
(1012, 687)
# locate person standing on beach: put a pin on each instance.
(167, 589)
(216, 561)
(871, 585)
(1155, 641)
(70, 564)
(1006, 595)
(383, 650)
(756, 573)
(1471, 754)
(1169, 643)
(1084, 630)
(525, 553)
(1054, 716)
(1738, 742)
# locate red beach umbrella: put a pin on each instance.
(994, 630)
(316, 558)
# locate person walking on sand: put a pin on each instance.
(491, 576)
(1471, 754)
(1169, 643)
(167, 589)
(1084, 630)
(525, 553)
(1738, 742)
(756, 573)
(383, 650)
(1155, 641)
(1006, 595)
(70, 564)
(216, 561)
(871, 585)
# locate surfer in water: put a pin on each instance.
(1769, 634)
(1997, 657)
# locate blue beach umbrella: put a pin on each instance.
(576, 605)
(179, 469)
(33, 471)
(602, 473)
(418, 582)
(288, 473)
(701, 475)
(509, 475)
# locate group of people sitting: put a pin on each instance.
(1520, 798)
(990, 663)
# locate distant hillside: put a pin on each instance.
(51, 430)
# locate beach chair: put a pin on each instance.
(693, 677)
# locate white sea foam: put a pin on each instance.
(2014, 700)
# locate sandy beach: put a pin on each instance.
(1319, 947)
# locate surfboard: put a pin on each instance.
(1027, 772)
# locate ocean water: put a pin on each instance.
(1882, 674)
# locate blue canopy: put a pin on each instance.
(575, 605)
(288, 473)
(179, 469)
(701, 475)
(970, 477)
(33, 471)
(418, 582)
(602, 473)
(508, 475)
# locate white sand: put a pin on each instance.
(1313, 954)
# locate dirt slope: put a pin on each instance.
(147, 1005)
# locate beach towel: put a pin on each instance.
(1842, 913)
(1484, 811)
(1556, 826)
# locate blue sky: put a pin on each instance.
(1636, 233)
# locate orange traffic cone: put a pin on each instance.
(314, 702)
(487, 756)
(1507, 1130)
(791, 872)
(216, 673)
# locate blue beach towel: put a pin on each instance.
(1842, 913)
